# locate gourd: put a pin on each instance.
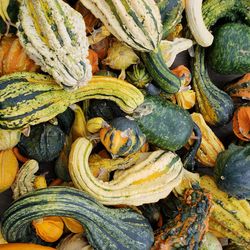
(153, 177)
(24, 246)
(230, 216)
(72, 225)
(61, 46)
(232, 171)
(8, 16)
(230, 51)
(124, 228)
(214, 104)
(193, 9)
(49, 229)
(13, 57)
(9, 138)
(29, 98)
(138, 24)
(210, 146)
(122, 137)
(8, 169)
(95, 124)
(65, 120)
(171, 14)
(241, 122)
(240, 89)
(187, 229)
(93, 58)
(165, 124)
(44, 142)
(210, 242)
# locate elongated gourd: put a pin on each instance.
(53, 35)
(215, 105)
(30, 98)
(196, 24)
(105, 228)
(152, 178)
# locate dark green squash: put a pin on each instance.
(65, 120)
(44, 142)
(105, 228)
(230, 51)
(215, 105)
(122, 137)
(232, 172)
(165, 124)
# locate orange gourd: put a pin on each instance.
(24, 246)
(73, 225)
(49, 229)
(13, 57)
(8, 169)
(93, 58)
(241, 122)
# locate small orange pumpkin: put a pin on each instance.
(13, 57)
(93, 59)
(241, 122)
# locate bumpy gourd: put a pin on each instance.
(60, 47)
(187, 229)
(153, 176)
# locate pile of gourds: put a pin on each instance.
(107, 142)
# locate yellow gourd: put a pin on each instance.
(8, 169)
(9, 138)
(73, 225)
(49, 229)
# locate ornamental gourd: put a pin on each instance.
(61, 46)
(9, 138)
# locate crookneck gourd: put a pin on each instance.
(138, 24)
(30, 98)
(187, 229)
(60, 47)
(105, 228)
(230, 216)
(151, 178)
(215, 105)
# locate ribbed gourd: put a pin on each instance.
(138, 24)
(53, 35)
(106, 228)
(152, 177)
(9, 138)
(29, 98)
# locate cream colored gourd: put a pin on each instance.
(9, 138)
(196, 24)
(153, 177)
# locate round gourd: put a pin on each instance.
(232, 171)
(44, 142)
(122, 137)
(9, 138)
(8, 169)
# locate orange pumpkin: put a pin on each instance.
(24, 246)
(241, 122)
(93, 58)
(13, 57)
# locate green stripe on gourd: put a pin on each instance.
(152, 177)
(30, 98)
(53, 35)
(215, 105)
(105, 228)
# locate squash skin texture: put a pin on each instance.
(165, 124)
(24, 246)
(232, 171)
(135, 230)
(230, 51)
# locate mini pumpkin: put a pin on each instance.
(122, 137)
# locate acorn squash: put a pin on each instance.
(44, 142)
(232, 171)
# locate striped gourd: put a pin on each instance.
(137, 23)
(150, 179)
(215, 105)
(105, 228)
(53, 35)
(30, 98)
